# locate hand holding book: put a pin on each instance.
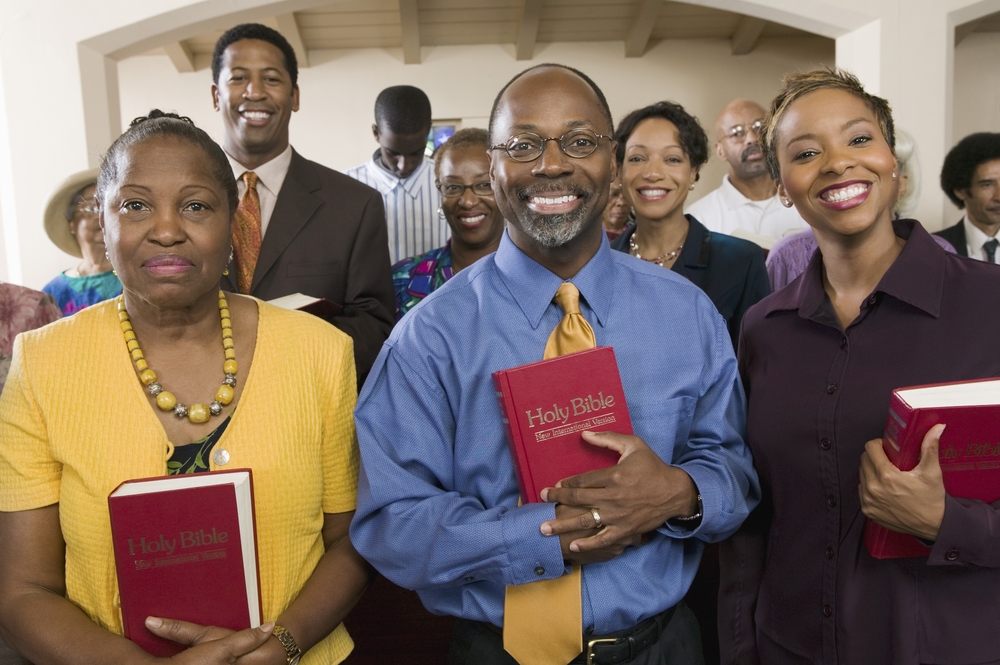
(211, 644)
(904, 501)
(634, 497)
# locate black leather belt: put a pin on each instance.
(625, 645)
(620, 647)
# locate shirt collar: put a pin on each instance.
(697, 245)
(533, 286)
(974, 237)
(734, 199)
(411, 184)
(916, 277)
(270, 175)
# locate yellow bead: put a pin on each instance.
(126, 326)
(228, 332)
(142, 366)
(226, 323)
(225, 394)
(166, 401)
(198, 413)
(227, 342)
(147, 376)
(230, 354)
(137, 354)
(229, 367)
(223, 313)
(132, 345)
(122, 314)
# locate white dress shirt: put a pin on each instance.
(725, 209)
(411, 207)
(270, 177)
(975, 239)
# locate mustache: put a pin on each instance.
(753, 147)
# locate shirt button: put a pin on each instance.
(827, 611)
(843, 342)
(831, 501)
(872, 299)
(589, 630)
(951, 555)
(221, 457)
(470, 579)
(539, 571)
(829, 552)
(825, 443)
(832, 388)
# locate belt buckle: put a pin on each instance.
(592, 643)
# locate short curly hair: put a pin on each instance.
(171, 125)
(470, 137)
(797, 85)
(255, 31)
(693, 139)
(962, 160)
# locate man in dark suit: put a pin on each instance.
(300, 227)
(970, 177)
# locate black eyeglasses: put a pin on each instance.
(738, 132)
(527, 147)
(450, 190)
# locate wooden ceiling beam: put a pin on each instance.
(289, 27)
(527, 29)
(747, 33)
(637, 38)
(181, 55)
(409, 20)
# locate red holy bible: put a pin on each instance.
(186, 548)
(546, 407)
(969, 451)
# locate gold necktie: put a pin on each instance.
(543, 621)
(246, 234)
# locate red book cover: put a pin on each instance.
(969, 450)
(186, 548)
(548, 404)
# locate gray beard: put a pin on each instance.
(553, 230)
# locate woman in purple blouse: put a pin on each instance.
(880, 306)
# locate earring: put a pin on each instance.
(787, 203)
(106, 255)
(440, 213)
(225, 271)
(893, 175)
(691, 188)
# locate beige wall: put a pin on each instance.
(338, 91)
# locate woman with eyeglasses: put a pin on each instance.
(661, 148)
(462, 169)
(71, 222)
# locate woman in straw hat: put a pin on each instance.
(71, 220)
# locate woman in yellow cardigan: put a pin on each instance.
(177, 377)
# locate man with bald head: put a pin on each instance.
(438, 506)
(748, 197)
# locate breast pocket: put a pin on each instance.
(664, 424)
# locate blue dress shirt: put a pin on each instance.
(437, 497)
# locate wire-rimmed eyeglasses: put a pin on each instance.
(452, 190)
(527, 146)
(738, 132)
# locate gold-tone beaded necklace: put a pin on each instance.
(633, 249)
(165, 401)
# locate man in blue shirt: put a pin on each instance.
(438, 501)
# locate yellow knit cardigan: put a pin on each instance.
(75, 422)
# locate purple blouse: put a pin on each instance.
(798, 585)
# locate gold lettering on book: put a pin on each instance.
(577, 406)
(166, 546)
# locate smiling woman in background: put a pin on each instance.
(661, 148)
(154, 388)
(880, 306)
(462, 169)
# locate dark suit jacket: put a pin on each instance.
(729, 270)
(327, 238)
(956, 236)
